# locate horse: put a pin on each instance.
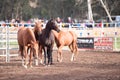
(46, 40)
(27, 41)
(38, 31)
(65, 38)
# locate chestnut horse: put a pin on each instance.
(47, 39)
(26, 41)
(38, 31)
(65, 38)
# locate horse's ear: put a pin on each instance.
(36, 21)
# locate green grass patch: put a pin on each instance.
(117, 43)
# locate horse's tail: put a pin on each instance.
(76, 48)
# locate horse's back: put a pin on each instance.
(20, 35)
(65, 38)
(25, 35)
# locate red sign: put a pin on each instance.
(103, 43)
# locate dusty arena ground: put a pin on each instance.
(88, 66)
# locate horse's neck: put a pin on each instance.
(46, 32)
(55, 33)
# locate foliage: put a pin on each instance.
(55, 8)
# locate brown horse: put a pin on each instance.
(67, 38)
(26, 41)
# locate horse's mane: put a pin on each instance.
(49, 23)
(48, 29)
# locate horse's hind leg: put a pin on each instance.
(73, 50)
(22, 54)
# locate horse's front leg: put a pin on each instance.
(49, 54)
(26, 56)
(40, 54)
(45, 55)
(30, 59)
(23, 61)
(59, 54)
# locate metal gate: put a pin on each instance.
(8, 38)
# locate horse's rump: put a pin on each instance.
(25, 36)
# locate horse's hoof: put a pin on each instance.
(41, 61)
(31, 66)
(72, 60)
(58, 60)
(50, 64)
(44, 64)
(25, 66)
(36, 62)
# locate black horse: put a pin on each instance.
(47, 39)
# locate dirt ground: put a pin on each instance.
(88, 66)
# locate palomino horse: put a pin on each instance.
(47, 39)
(26, 41)
(67, 38)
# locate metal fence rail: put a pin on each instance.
(7, 37)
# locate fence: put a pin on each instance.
(8, 41)
(8, 35)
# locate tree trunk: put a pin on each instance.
(106, 10)
(90, 15)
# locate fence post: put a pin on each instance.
(7, 44)
(115, 37)
(102, 26)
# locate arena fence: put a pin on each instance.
(102, 37)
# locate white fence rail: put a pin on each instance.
(8, 34)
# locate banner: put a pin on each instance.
(87, 43)
(103, 43)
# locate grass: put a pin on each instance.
(117, 43)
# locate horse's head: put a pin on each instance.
(38, 26)
(52, 25)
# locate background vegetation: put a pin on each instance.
(27, 9)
